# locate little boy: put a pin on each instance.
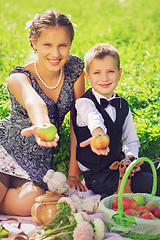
(103, 72)
(100, 109)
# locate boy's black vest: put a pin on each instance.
(85, 156)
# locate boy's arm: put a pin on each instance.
(88, 115)
(131, 142)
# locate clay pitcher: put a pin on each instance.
(44, 209)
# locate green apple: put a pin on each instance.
(140, 199)
(47, 132)
(101, 141)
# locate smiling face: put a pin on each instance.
(53, 46)
(103, 75)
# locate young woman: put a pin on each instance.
(40, 92)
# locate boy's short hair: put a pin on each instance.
(100, 51)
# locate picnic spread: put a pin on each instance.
(29, 227)
(62, 213)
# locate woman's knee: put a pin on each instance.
(20, 201)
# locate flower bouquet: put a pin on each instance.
(67, 223)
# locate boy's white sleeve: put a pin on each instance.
(88, 115)
(131, 142)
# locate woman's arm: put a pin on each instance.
(79, 89)
(20, 86)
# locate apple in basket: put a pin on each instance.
(157, 213)
(148, 215)
(140, 199)
(133, 203)
(142, 209)
(152, 206)
(101, 141)
(115, 203)
(126, 203)
(47, 132)
(131, 212)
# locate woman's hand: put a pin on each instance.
(104, 151)
(75, 183)
(33, 130)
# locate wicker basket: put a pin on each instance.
(128, 226)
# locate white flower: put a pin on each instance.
(79, 218)
(99, 229)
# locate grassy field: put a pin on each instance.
(132, 26)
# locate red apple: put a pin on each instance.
(126, 202)
(157, 213)
(101, 141)
(115, 209)
(133, 203)
(47, 132)
(142, 209)
(131, 212)
(140, 199)
(115, 203)
(152, 206)
(147, 215)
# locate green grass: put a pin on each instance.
(132, 26)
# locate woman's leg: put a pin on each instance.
(18, 201)
(4, 184)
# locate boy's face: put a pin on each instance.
(104, 75)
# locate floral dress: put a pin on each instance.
(21, 156)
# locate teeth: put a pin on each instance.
(54, 61)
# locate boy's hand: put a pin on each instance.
(33, 130)
(104, 151)
(135, 169)
(75, 184)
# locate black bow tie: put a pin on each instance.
(115, 102)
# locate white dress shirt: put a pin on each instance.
(88, 115)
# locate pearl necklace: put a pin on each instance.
(60, 77)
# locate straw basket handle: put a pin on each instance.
(124, 179)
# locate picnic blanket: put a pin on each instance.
(29, 227)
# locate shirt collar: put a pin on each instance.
(98, 95)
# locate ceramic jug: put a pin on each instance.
(44, 209)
